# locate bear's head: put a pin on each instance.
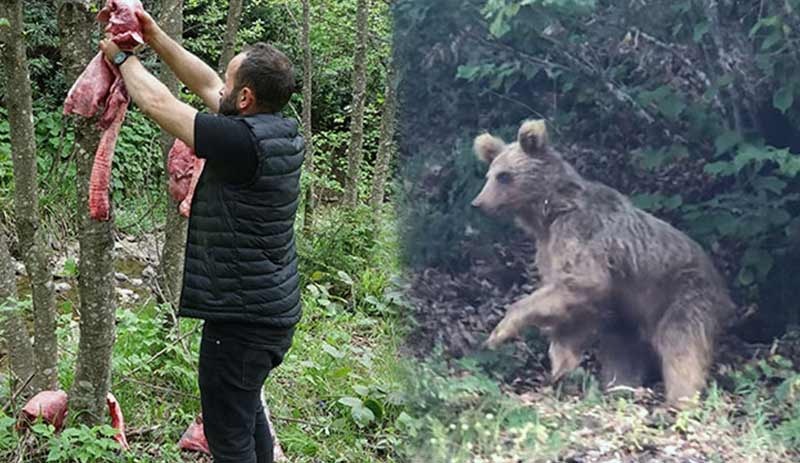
(522, 174)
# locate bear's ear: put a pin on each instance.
(532, 136)
(488, 147)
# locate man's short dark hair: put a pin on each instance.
(269, 73)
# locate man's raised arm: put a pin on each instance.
(201, 79)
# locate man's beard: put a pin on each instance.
(227, 105)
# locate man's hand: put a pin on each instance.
(191, 70)
(152, 97)
(150, 30)
(109, 48)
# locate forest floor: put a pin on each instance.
(345, 393)
(336, 397)
(479, 406)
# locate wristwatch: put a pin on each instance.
(120, 57)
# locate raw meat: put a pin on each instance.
(51, 406)
(194, 438)
(117, 421)
(184, 169)
(101, 84)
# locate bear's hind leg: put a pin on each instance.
(684, 342)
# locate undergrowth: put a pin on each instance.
(460, 413)
(336, 397)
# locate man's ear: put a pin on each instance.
(488, 147)
(246, 99)
(533, 136)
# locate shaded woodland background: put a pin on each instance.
(686, 106)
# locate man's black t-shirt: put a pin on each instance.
(227, 146)
(231, 154)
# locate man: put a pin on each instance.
(240, 274)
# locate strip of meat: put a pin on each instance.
(117, 420)
(52, 408)
(100, 180)
(101, 84)
(180, 163)
(120, 19)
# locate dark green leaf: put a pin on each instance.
(350, 401)
(782, 99)
(746, 277)
(375, 407)
(726, 141)
(700, 30)
(773, 184)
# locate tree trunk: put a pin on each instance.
(32, 237)
(12, 326)
(386, 142)
(170, 267)
(308, 211)
(356, 149)
(95, 281)
(232, 29)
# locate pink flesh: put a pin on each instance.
(184, 169)
(100, 85)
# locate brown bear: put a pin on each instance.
(611, 273)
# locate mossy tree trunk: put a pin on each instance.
(308, 132)
(12, 326)
(170, 268)
(355, 152)
(32, 238)
(95, 281)
(386, 141)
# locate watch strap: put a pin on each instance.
(127, 54)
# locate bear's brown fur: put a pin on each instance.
(611, 273)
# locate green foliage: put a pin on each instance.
(8, 437)
(80, 444)
(459, 414)
(346, 250)
(6, 166)
(13, 304)
(137, 170)
(712, 149)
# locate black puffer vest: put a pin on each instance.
(241, 263)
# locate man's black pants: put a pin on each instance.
(232, 371)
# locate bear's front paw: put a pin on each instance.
(505, 330)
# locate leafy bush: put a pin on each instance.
(345, 248)
(80, 444)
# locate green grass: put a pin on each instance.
(337, 396)
(461, 414)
